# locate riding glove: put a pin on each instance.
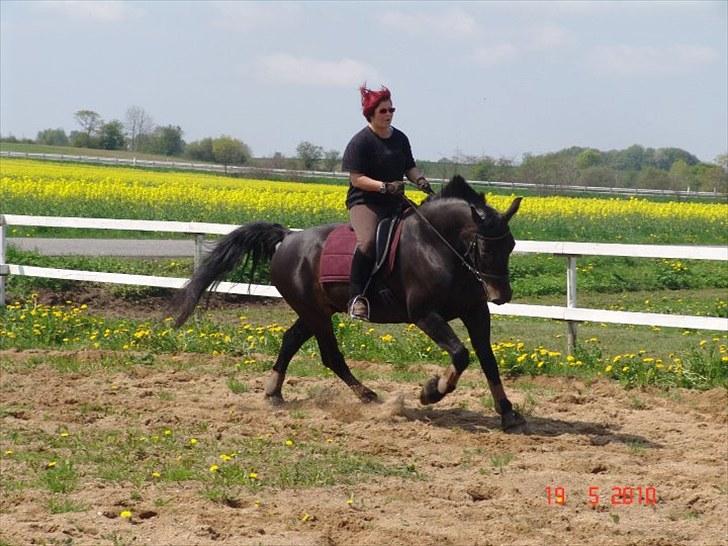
(395, 188)
(424, 185)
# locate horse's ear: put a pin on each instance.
(478, 217)
(513, 209)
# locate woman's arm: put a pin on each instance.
(362, 182)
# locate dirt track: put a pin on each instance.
(580, 436)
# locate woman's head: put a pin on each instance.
(370, 100)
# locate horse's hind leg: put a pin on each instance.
(440, 332)
(293, 339)
(334, 360)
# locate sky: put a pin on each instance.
(468, 78)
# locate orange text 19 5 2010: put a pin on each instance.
(618, 495)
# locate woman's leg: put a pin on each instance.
(364, 221)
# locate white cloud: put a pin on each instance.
(453, 23)
(252, 15)
(495, 54)
(547, 37)
(285, 68)
(625, 60)
(111, 11)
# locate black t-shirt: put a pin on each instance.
(385, 159)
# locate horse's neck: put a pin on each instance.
(449, 218)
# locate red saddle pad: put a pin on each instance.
(335, 264)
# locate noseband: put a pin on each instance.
(474, 250)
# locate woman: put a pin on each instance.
(377, 158)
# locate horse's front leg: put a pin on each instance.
(440, 332)
(478, 325)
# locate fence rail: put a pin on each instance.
(296, 174)
(569, 250)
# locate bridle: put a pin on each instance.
(470, 263)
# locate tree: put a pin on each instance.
(163, 140)
(138, 122)
(89, 121)
(201, 150)
(331, 160)
(588, 158)
(230, 151)
(309, 153)
(52, 137)
(111, 135)
(279, 160)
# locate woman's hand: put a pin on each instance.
(394, 188)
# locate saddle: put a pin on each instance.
(339, 247)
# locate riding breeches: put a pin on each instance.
(364, 220)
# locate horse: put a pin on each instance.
(451, 260)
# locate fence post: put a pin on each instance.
(199, 242)
(4, 269)
(570, 302)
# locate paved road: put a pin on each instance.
(147, 248)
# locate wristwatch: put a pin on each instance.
(383, 188)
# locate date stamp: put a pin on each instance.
(618, 495)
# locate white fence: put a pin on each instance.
(293, 174)
(569, 250)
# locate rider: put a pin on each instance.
(377, 158)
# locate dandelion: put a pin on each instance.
(9, 452)
(214, 468)
(167, 432)
(64, 434)
(625, 369)
(156, 475)
(126, 514)
(51, 464)
(387, 338)
(193, 441)
(253, 476)
(289, 443)
(608, 368)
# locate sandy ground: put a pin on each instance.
(579, 436)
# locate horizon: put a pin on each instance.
(495, 79)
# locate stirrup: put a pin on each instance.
(359, 308)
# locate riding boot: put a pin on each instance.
(361, 268)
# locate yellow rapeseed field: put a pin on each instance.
(44, 188)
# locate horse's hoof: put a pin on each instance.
(512, 422)
(275, 400)
(429, 393)
(368, 396)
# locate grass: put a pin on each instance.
(223, 471)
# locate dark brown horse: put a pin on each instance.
(452, 259)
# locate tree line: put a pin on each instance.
(139, 133)
(633, 167)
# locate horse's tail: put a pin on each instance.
(255, 241)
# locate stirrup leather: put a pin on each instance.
(361, 301)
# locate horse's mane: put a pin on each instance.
(458, 188)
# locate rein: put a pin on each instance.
(480, 275)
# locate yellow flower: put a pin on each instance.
(50, 464)
(289, 443)
(193, 441)
(156, 474)
(214, 468)
(126, 514)
(167, 432)
(608, 368)
(253, 476)
(387, 338)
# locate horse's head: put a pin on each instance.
(490, 240)
(491, 248)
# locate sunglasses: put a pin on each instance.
(385, 110)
